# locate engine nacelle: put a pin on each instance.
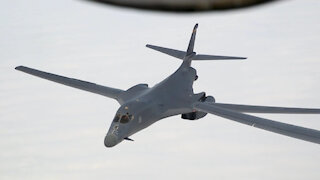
(198, 114)
(193, 115)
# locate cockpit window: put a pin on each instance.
(123, 118)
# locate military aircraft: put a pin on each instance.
(142, 106)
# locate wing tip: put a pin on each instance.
(19, 68)
(236, 57)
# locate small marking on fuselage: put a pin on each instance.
(140, 119)
(115, 130)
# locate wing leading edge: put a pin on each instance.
(267, 109)
(298, 132)
(75, 83)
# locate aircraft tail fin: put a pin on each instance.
(192, 40)
(190, 55)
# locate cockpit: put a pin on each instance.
(123, 119)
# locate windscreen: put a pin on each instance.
(123, 118)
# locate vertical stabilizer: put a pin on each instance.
(192, 39)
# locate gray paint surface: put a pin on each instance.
(142, 106)
(50, 131)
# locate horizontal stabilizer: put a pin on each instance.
(190, 55)
(200, 57)
(171, 52)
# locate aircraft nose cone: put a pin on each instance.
(110, 140)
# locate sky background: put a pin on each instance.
(50, 131)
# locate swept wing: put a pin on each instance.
(298, 132)
(75, 83)
(267, 109)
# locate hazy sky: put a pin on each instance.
(49, 131)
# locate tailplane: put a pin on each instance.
(190, 54)
(171, 52)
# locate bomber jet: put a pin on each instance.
(141, 106)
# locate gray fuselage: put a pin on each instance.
(172, 96)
